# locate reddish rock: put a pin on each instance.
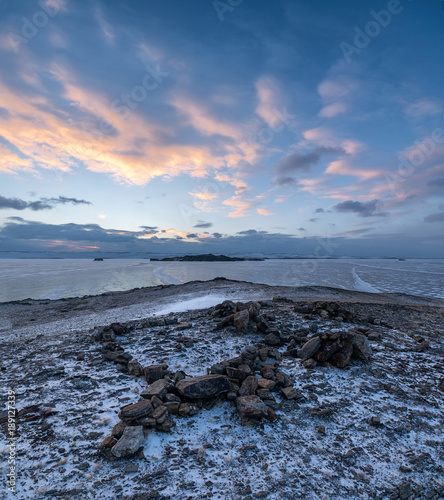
(251, 407)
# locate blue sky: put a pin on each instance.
(227, 126)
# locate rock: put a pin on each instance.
(234, 362)
(135, 368)
(254, 310)
(179, 375)
(218, 369)
(241, 320)
(206, 386)
(161, 415)
(405, 490)
(136, 410)
(108, 442)
(155, 372)
(228, 320)
(309, 349)
(267, 371)
(321, 429)
(165, 426)
(186, 409)
(342, 358)
(271, 414)
(375, 421)
(328, 348)
(172, 398)
(129, 443)
(310, 363)
(251, 407)
(173, 407)
(265, 383)
(231, 396)
(314, 327)
(262, 324)
(272, 340)
(118, 328)
(282, 379)
(146, 422)
(374, 336)
(361, 347)
(159, 389)
(236, 373)
(81, 356)
(249, 386)
(291, 393)
(118, 430)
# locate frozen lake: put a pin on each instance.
(54, 279)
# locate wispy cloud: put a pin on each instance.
(42, 204)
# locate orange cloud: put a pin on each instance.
(263, 211)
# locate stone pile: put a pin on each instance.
(327, 348)
(251, 380)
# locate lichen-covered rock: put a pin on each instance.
(129, 443)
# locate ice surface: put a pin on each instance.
(54, 279)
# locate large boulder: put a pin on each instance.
(310, 348)
(241, 320)
(251, 407)
(206, 386)
(129, 443)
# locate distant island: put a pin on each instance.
(209, 257)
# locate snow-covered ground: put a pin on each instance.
(211, 455)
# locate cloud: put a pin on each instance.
(301, 162)
(319, 211)
(302, 229)
(332, 110)
(423, 107)
(437, 182)
(203, 225)
(439, 217)
(264, 211)
(315, 219)
(269, 96)
(42, 204)
(334, 93)
(362, 209)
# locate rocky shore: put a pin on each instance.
(290, 393)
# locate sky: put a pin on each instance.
(291, 127)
